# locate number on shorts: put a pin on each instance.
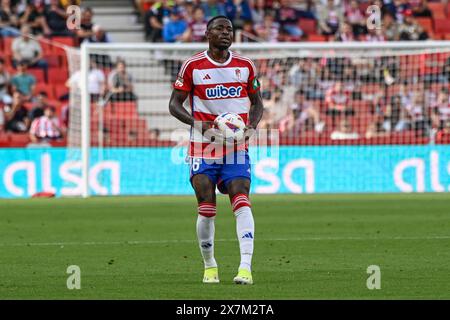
(196, 164)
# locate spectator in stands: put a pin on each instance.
(174, 29)
(356, 18)
(410, 29)
(376, 129)
(238, 11)
(96, 81)
(338, 102)
(212, 8)
(421, 9)
(23, 82)
(56, 19)
(395, 119)
(288, 17)
(86, 24)
(304, 115)
(330, 18)
(154, 134)
(99, 35)
(268, 30)
(67, 3)
(445, 77)
(39, 105)
(416, 113)
(248, 32)
(443, 135)
(440, 112)
(155, 19)
(390, 28)
(120, 83)
(188, 9)
(9, 19)
(197, 28)
(345, 33)
(344, 131)
(258, 11)
(16, 115)
(29, 50)
(4, 82)
(47, 127)
(374, 35)
(34, 16)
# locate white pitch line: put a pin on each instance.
(150, 242)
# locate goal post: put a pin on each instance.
(299, 85)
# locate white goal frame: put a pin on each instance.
(302, 47)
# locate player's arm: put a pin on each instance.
(176, 107)
(256, 109)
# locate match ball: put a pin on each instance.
(231, 126)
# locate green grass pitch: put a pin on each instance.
(306, 247)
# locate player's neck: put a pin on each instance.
(218, 55)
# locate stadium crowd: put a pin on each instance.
(296, 20)
(333, 98)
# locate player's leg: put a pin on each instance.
(206, 198)
(238, 190)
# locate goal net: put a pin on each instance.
(347, 117)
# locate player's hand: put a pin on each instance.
(249, 131)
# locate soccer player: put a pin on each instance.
(219, 80)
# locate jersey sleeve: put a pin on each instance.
(184, 79)
(253, 84)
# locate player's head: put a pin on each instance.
(219, 32)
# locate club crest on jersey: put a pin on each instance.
(238, 74)
(221, 91)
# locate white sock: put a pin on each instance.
(205, 235)
(245, 229)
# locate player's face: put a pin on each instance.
(220, 34)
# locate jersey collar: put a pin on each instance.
(217, 63)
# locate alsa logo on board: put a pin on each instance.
(220, 91)
(25, 178)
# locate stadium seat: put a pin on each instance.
(57, 76)
(317, 38)
(427, 24)
(68, 41)
(442, 26)
(19, 139)
(53, 61)
(308, 26)
(437, 9)
(38, 74)
(60, 90)
(7, 45)
(48, 89)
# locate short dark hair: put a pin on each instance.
(216, 18)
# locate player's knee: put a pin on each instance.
(240, 200)
(207, 209)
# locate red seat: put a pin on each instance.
(438, 9)
(308, 26)
(317, 38)
(427, 24)
(441, 25)
(46, 88)
(38, 74)
(67, 41)
(7, 45)
(60, 90)
(57, 76)
(53, 61)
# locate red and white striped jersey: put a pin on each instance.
(215, 88)
(43, 127)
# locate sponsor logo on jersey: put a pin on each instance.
(179, 82)
(221, 91)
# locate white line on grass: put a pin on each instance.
(156, 242)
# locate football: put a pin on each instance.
(231, 126)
